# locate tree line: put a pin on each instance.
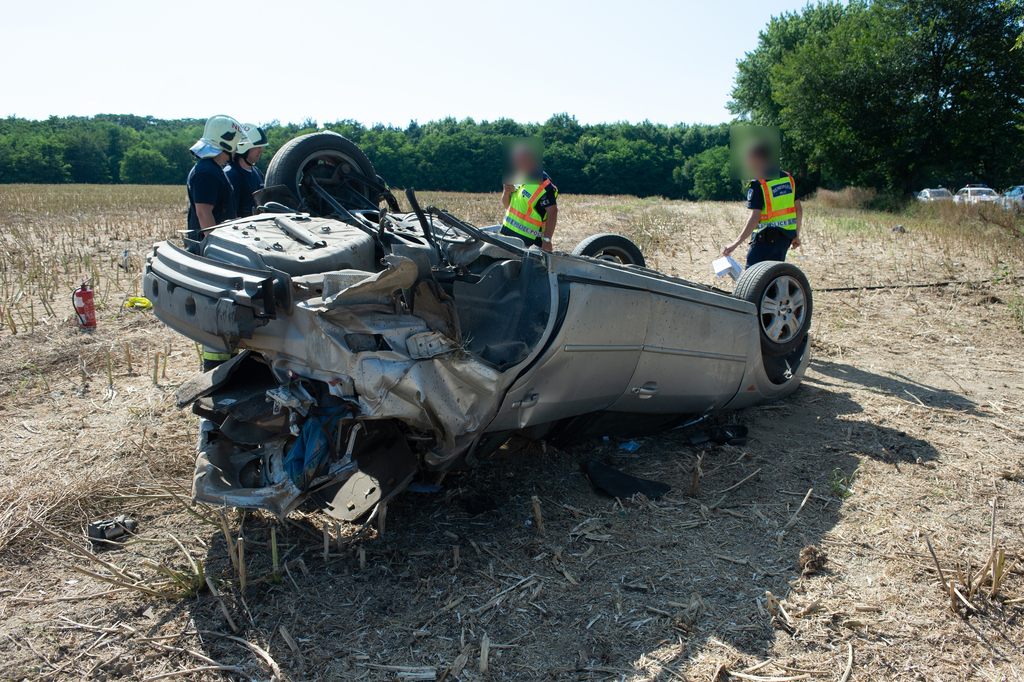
(891, 94)
(642, 159)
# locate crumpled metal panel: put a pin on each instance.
(223, 471)
(435, 386)
(204, 384)
(400, 274)
(383, 470)
(448, 395)
(429, 345)
(220, 466)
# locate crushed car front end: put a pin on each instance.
(340, 328)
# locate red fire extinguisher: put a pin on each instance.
(84, 306)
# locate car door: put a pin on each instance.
(589, 363)
(693, 357)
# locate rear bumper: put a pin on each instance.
(210, 302)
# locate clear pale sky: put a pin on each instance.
(378, 62)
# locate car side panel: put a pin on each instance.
(693, 358)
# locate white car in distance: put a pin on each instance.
(931, 195)
(1013, 199)
(976, 194)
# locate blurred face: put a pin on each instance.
(524, 161)
(757, 163)
(253, 155)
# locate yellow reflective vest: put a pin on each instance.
(779, 209)
(522, 216)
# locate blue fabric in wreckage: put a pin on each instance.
(311, 451)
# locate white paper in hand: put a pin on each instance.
(727, 266)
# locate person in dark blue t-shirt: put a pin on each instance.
(243, 174)
(211, 201)
(210, 197)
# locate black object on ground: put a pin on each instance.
(617, 484)
(721, 435)
(111, 529)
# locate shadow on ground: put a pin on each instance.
(894, 385)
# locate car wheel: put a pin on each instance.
(784, 304)
(325, 157)
(612, 248)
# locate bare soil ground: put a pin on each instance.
(907, 427)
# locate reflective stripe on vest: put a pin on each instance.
(779, 210)
(522, 217)
(221, 357)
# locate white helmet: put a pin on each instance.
(255, 137)
(224, 132)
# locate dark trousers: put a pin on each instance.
(212, 364)
(771, 244)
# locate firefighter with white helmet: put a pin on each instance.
(211, 199)
(210, 196)
(243, 174)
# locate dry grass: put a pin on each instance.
(908, 427)
(848, 197)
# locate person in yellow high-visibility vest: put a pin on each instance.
(776, 214)
(531, 209)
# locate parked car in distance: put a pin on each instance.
(976, 194)
(1013, 199)
(930, 195)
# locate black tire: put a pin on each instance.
(774, 284)
(611, 247)
(306, 153)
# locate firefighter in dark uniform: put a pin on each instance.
(531, 210)
(245, 177)
(776, 214)
(211, 199)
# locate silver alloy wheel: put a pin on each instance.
(782, 309)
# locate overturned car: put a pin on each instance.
(371, 344)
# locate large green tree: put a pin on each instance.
(752, 96)
(892, 94)
(34, 158)
(709, 176)
(144, 166)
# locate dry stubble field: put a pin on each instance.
(908, 427)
